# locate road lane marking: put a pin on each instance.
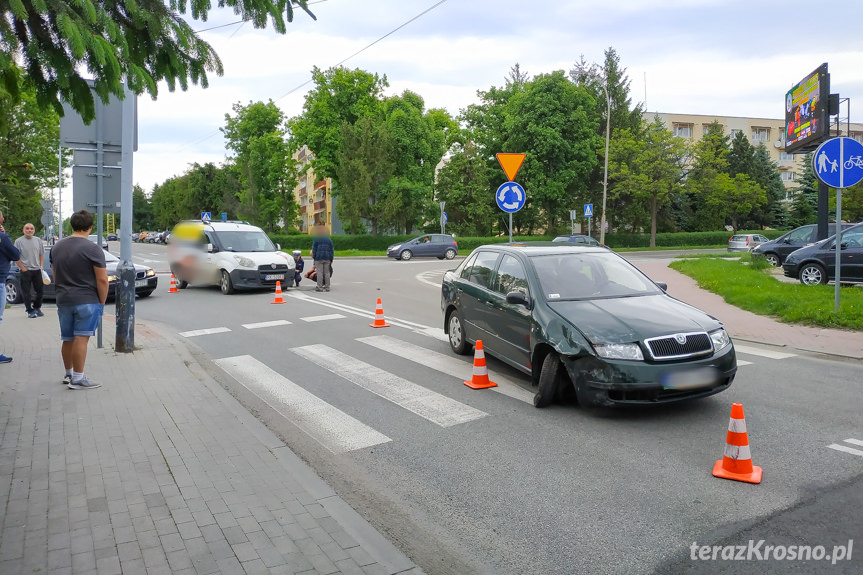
(266, 324)
(847, 449)
(331, 427)
(419, 328)
(445, 364)
(741, 362)
(422, 277)
(197, 332)
(763, 352)
(322, 317)
(428, 404)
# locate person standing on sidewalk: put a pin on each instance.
(8, 254)
(322, 254)
(81, 286)
(32, 257)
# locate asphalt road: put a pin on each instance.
(471, 481)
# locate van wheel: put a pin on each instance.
(226, 284)
(182, 284)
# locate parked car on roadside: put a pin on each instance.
(584, 321)
(113, 237)
(145, 279)
(775, 251)
(745, 242)
(816, 264)
(438, 246)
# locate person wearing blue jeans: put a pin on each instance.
(81, 288)
(8, 254)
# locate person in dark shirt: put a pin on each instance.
(8, 254)
(81, 288)
(322, 254)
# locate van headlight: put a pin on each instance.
(719, 338)
(244, 262)
(631, 351)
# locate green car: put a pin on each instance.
(584, 320)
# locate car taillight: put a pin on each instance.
(747, 239)
(455, 243)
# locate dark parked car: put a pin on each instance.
(438, 246)
(578, 239)
(584, 320)
(145, 279)
(775, 251)
(816, 264)
(113, 238)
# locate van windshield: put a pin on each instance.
(246, 241)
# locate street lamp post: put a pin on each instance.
(605, 176)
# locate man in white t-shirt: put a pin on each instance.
(30, 263)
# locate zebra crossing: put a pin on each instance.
(847, 449)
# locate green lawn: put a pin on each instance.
(751, 286)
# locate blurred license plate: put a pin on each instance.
(691, 378)
(140, 283)
(274, 277)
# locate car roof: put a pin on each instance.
(531, 249)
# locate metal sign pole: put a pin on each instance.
(100, 175)
(510, 227)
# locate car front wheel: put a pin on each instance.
(549, 381)
(772, 259)
(406, 255)
(13, 294)
(457, 337)
(812, 274)
(450, 254)
(226, 284)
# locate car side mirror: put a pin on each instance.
(278, 247)
(517, 298)
(662, 285)
(211, 249)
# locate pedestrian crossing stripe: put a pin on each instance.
(331, 427)
(847, 449)
(445, 364)
(768, 353)
(322, 317)
(259, 325)
(430, 405)
(208, 331)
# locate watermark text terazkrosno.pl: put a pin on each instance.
(760, 551)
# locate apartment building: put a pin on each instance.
(314, 196)
(767, 131)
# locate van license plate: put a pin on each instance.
(274, 277)
(140, 283)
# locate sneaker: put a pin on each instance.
(67, 379)
(5, 358)
(31, 314)
(319, 289)
(326, 289)
(85, 383)
(39, 313)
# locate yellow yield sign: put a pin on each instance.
(510, 164)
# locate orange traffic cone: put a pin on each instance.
(278, 298)
(379, 316)
(480, 378)
(173, 288)
(737, 462)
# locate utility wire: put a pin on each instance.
(309, 81)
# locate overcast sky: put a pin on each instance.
(722, 57)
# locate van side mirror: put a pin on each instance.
(211, 249)
(662, 285)
(278, 247)
(518, 298)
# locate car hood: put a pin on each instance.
(628, 319)
(265, 258)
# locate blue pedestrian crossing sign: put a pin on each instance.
(444, 217)
(510, 197)
(838, 162)
(588, 210)
(224, 216)
(206, 216)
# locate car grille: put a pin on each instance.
(280, 268)
(668, 347)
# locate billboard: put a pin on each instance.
(806, 117)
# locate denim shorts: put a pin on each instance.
(79, 320)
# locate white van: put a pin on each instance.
(233, 255)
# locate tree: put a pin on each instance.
(463, 183)
(143, 41)
(340, 95)
(647, 167)
(734, 197)
(552, 122)
(142, 214)
(710, 160)
(28, 155)
(755, 163)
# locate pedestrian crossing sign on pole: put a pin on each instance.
(588, 210)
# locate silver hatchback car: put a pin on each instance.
(745, 242)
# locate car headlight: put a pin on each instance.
(719, 338)
(630, 351)
(393, 248)
(150, 272)
(112, 278)
(244, 262)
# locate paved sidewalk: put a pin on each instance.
(159, 471)
(747, 326)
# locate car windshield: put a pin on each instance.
(246, 241)
(571, 276)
